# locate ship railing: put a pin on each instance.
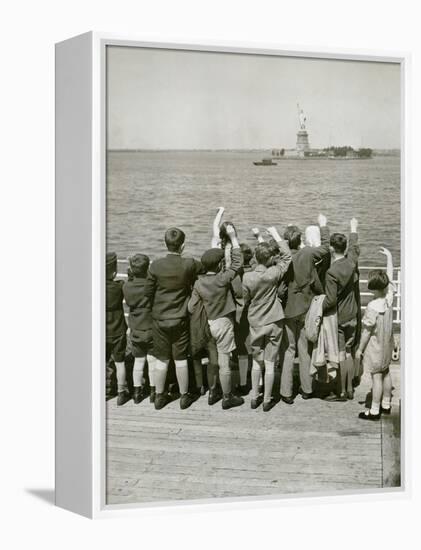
(365, 293)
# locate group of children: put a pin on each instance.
(254, 304)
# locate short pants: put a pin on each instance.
(142, 342)
(266, 341)
(222, 331)
(170, 339)
(116, 348)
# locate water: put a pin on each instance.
(148, 192)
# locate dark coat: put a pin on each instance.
(140, 316)
(115, 320)
(169, 285)
(342, 284)
(302, 278)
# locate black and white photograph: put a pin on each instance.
(253, 275)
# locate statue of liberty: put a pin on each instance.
(301, 117)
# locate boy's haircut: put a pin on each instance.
(292, 235)
(273, 246)
(246, 252)
(174, 239)
(139, 264)
(338, 242)
(378, 280)
(263, 253)
(110, 265)
(212, 258)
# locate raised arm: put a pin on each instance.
(284, 252)
(320, 252)
(353, 246)
(215, 228)
(257, 234)
(236, 260)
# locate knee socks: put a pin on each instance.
(243, 365)
(269, 379)
(139, 364)
(160, 374)
(225, 372)
(182, 374)
(256, 373)
(121, 376)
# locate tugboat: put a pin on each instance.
(265, 162)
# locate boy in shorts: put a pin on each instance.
(116, 327)
(168, 288)
(214, 290)
(140, 324)
(265, 314)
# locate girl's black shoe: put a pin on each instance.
(138, 394)
(385, 411)
(369, 416)
(152, 395)
(256, 402)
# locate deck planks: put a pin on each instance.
(203, 452)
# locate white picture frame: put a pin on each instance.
(80, 248)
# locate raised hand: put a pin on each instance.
(385, 251)
(273, 232)
(322, 220)
(231, 231)
(354, 225)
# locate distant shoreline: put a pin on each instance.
(376, 152)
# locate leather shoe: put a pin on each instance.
(230, 400)
(138, 394)
(186, 400)
(369, 416)
(161, 399)
(287, 400)
(123, 397)
(268, 405)
(214, 396)
(256, 402)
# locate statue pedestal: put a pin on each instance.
(302, 141)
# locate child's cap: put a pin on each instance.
(111, 258)
(139, 263)
(211, 258)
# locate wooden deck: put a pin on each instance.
(203, 452)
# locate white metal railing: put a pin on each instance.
(364, 292)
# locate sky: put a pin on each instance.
(172, 99)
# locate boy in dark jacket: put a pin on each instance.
(168, 288)
(303, 284)
(116, 327)
(342, 298)
(140, 324)
(214, 290)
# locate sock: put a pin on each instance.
(224, 372)
(269, 379)
(243, 366)
(256, 374)
(212, 374)
(139, 363)
(121, 376)
(151, 367)
(386, 403)
(182, 374)
(160, 375)
(375, 408)
(198, 374)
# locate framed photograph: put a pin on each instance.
(230, 274)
